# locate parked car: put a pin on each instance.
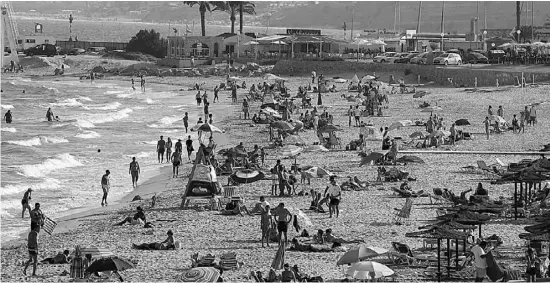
(384, 57)
(417, 58)
(475, 58)
(405, 59)
(75, 51)
(396, 57)
(42, 49)
(496, 56)
(448, 59)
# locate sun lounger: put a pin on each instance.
(404, 255)
(489, 173)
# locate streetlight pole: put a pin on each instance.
(71, 25)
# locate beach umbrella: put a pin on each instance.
(205, 127)
(359, 253)
(367, 78)
(417, 135)
(279, 259)
(247, 176)
(373, 156)
(431, 109)
(399, 124)
(316, 147)
(271, 111)
(109, 264)
(355, 79)
(96, 252)
(497, 118)
(318, 172)
(293, 139)
(368, 270)
(200, 274)
(232, 79)
(462, 122)
(278, 42)
(303, 219)
(291, 150)
(281, 125)
(273, 77)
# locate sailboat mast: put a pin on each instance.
(418, 24)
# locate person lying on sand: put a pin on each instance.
(60, 258)
(237, 207)
(297, 246)
(332, 239)
(139, 218)
(164, 245)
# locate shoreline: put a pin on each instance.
(150, 182)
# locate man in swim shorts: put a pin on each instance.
(134, 171)
(32, 246)
(105, 185)
(160, 149)
(189, 146)
(186, 121)
(176, 161)
(25, 202)
(283, 218)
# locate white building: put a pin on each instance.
(28, 41)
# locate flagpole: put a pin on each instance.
(193, 27)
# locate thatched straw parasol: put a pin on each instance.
(467, 217)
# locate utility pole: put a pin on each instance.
(352, 13)
(442, 24)
(518, 18)
(418, 24)
(532, 21)
(394, 15)
(476, 31)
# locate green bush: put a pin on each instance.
(148, 42)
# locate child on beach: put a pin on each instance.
(32, 246)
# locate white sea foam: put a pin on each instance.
(164, 122)
(53, 89)
(61, 161)
(108, 106)
(109, 117)
(11, 130)
(142, 154)
(88, 135)
(84, 124)
(149, 101)
(179, 106)
(171, 131)
(85, 98)
(7, 106)
(47, 184)
(39, 141)
(67, 102)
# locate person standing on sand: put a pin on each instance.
(133, 84)
(216, 89)
(176, 161)
(25, 202)
(282, 216)
(532, 113)
(8, 117)
(490, 111)
(480, 260)
(134, 171)
(32, 246)
(234, 93)
(204, 98)
(168, 149)
(206, 111)
(37, 217)
(160, 149)
(178, 145)
(189, 146)
(487, 124)
(186, 121)
(142, 82)
(105, 185)
(265, 224)
(334, 193)
(500, 111)
(245, 109)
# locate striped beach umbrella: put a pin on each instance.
(279, 260)
(359, 253)
(200, 274)
(247, 176)
(318, 172)
(110, 264)
(291, 150)
(317, 147)
(368, 270)
(293, 139)
(281, 125)
(399, 124)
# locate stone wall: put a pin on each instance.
(440, 75)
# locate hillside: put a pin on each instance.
(368, 15)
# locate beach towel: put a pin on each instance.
(49, 225)
(494, 270)
(279, 259)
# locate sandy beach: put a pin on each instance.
(365, 215)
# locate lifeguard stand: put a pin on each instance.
(9, 35)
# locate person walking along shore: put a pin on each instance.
(134, 171)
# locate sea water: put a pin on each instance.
(102, 125)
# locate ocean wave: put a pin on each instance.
(142, 154)
(39, 141)
(149, 101)
(7, 106)
(148, 142)
(11, 130)
(85, 98)
(179, 106)
(164, 122)
(52, 89)
(171, 131)
(109, 117)
(83, 124)
(88, 135)
(64, 160)
(67, 102)
(108, 106)
(47, 184)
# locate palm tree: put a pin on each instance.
(203, 7)
(232, 7)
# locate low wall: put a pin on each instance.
(87, 44)
(440, 75)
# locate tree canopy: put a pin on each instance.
(148, 42)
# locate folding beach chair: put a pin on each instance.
(489, 173)
(228, 261)
(404, 213)
(405, 255)
(437, 197)
(49, 225)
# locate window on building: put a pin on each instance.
(19, 41)
(46, 41)
(28, 40)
